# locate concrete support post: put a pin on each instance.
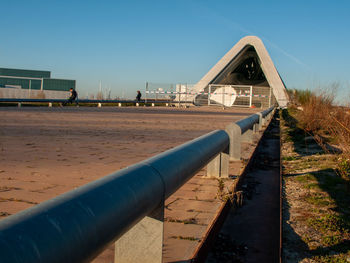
(99, 105)
(19, 104)
(247, 136)
(256, 128)
(260, 121)
(119, 104)
(218, 167)
(144, 242)
(234, 132)
(50, 104)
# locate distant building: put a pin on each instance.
(244, 76)
(22, 83)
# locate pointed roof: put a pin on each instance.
(273, 78)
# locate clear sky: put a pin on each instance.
(124, 44)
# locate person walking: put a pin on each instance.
(138, 97)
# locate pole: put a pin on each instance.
(251, 96)
(223, 96)
(209, 95)
(30, 86)
(146, 93)
(186, 94)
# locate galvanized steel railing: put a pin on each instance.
(78, 225)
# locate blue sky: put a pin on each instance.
(124, 44)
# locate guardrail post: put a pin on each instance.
(50, 104)
(119, 104)
(263, 121)
(137, 104)
(99, 105)
(152, 104)
(218, 167)
(260, 121)
(256, 128)
(19, 105)
(143, 242)
(234, 133)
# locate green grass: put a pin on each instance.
(329, 223)
(318, 200)
(290, 158)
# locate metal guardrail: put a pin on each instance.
(242, 131)
(78, 225)
(99, 103)
(64, 100)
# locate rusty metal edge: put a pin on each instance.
(281, 190)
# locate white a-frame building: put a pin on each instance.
(247, 64)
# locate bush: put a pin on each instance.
(322, 119)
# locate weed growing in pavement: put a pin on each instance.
(186, 238)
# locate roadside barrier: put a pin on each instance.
(50, 101)
(126, 207)
(205, 93)
(242, 131)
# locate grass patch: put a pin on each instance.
(290, 158)
(318, 200)
(329, 223)
(305, 178)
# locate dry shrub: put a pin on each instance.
(321, 118)
(316, 111)
(341, 129)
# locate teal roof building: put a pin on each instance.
(33, 80)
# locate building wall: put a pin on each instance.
(9, 93)
(19, 79)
